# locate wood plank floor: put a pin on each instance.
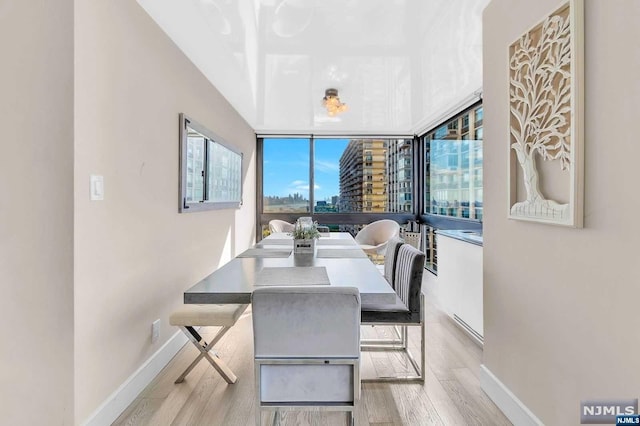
(451, 394)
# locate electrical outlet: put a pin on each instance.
(155, 331)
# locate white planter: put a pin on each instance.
(304, 246)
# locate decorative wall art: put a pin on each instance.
(546, 109)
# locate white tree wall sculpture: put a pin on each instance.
(542, 105)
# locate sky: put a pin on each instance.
(286, 167)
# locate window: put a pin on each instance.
(210, 171)
(347, 182)
(349, 175)
(285, 177)
(451, 159)
(465, 122)
(430, 248)
(478, 116)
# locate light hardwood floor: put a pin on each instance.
(451, 394)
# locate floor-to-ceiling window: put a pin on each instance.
(342, 182)
(452, 168)
(455, 167)
(429, 182)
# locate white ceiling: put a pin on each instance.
(398, 64)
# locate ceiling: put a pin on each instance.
(400, 65)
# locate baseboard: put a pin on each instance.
(468, 330)
(510, 405)
(119, 400)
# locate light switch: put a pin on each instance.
(97, 188)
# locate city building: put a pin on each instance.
(400, 175)
(363, 176)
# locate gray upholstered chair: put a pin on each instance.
(408, 310)
(388, 271)
(373, 237)
(306, 348)
(189, 316)
(277, 225)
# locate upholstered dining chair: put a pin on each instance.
(373, 237)
(408, 310)
(306, 348)
(388, 270)
(277, 225)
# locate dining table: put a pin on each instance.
(336, 261)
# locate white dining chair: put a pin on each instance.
(373, 237)
(306, 348)
(277, 225)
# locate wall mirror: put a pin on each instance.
(210, 170)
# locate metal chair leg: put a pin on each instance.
(276, 418)
(419, 368)
(400, 342)
(205, 350)
(417, 377)
(256, 372)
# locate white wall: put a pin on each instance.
(134, 254)
(36, 212)
(561, 305)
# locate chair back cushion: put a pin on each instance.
(306, 322)
(408, 276)
(390, 259)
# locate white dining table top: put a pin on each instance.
(235, 281)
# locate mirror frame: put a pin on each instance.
(196, 206)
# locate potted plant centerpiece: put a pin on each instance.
(305, 234)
